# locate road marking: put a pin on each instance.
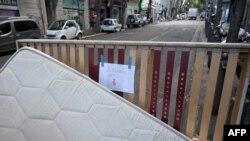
(164, 33)
(89, 36)
(154, 38)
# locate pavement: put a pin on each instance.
(89, 34)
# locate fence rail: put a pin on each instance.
(172, 80)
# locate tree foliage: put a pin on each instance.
(200, 4)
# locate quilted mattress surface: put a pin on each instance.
(42, 99)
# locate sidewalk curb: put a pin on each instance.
(88, 36)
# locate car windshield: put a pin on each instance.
(57, 25)
(107, 22)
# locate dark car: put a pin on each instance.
(14, 28)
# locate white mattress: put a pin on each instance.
(42, 99)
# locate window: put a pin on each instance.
(70, 24)
(20, 26)
(5, 28)
(31, 25)
(107, 22)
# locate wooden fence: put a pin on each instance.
(172, 80)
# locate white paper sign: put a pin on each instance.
(117, 77)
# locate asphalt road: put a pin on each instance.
(179, 31)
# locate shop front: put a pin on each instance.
(74, 10)
(9, 8)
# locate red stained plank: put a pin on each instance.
(155, 82)
(168, 85)
(181, 90)
(94, 69)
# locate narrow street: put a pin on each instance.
(173, 31)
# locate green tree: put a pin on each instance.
(139, 5)
(200, 4)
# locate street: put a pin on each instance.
(174, 31)
(177, 31)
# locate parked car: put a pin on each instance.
(192, 13)
(113, 25)
(134, 20)
(145, 20)
(64, 29)
(14, 28)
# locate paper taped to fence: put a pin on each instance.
(117, 77)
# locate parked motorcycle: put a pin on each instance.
(221, 33)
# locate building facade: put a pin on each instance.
(83, 11)
(9, 8)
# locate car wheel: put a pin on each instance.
(79, 36)
(139, 25)
(132, 20)
(114, 30)
(63, 38)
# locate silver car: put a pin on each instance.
(14, 28)
(64, 29)
(135, 20)
(112, 25)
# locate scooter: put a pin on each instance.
(243, 35)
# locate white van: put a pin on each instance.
(192, 13)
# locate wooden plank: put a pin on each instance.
(210, 92)
(150, 73)
(195, 90)
(18, 45)
(111, 53)
(81, 59)
(64, 53)
(241, 91)
(121, 54)
(94, 69)
(133, 56)
(155, 82)
(226, 94)
(24, 44)
(72, 57)
(39, 46)
(168, 86)
(47, 49)
(55, 51)
(32, 45)
(181, 89)
(143, 78)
